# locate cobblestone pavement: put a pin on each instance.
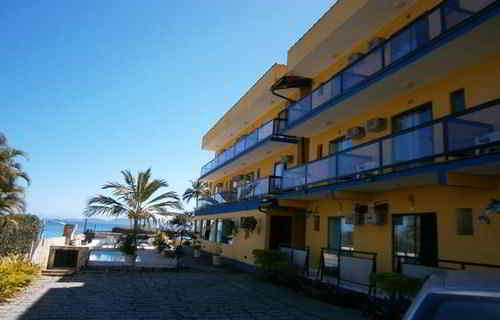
(191, 294)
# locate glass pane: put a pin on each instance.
(321, 170)
(266, 130)
(474, 129)
(347, 242)
(474, 6)
(406, 236)
(252, 139)
(435, 27)
(213, 230)
(293, 177)
(325, 92)
(454, 13)
(299, 109)
(219, 230)
(363, 69)
(362, 159)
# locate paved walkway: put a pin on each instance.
(197, 293)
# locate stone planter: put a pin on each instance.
(196, 253)
(216, 260)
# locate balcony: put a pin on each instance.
(450, 142)
(247, 148)
(253, 190)
(414, 55)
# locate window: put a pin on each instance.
(339, 145)
(340, 234)
(465, 222)
(205, 229)
(197, 226)
(213, 230)
(316, 223)
(457, 100)
(225, 231)
(319, 152)
(219, 230)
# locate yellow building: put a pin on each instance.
(380, 137)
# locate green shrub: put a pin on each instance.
(394, 283)
(128, 244)
(268, 259)
(16, 236)
(16, 272)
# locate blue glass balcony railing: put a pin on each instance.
(471, 133)
(411, 38)
(258, 135)
(258, 188)
(250, 190)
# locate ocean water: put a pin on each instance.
(55, 229)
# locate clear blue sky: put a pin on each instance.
(92, 87)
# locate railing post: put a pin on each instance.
(445, 139)
(380, 157)
(305, 173)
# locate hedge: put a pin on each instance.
(17, 233)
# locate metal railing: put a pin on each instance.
(258, 188)
(250, 190)
(349, 266)
(297, 256)
(260, 134)
(413, 266)
(420, 33)
(472, 132)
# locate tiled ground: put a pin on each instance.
(191, 294)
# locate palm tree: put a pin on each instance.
(135, 199)
(11, 193)
(197, 190)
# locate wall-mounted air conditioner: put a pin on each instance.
(375, 218)
(354, 57)
(376, 125)
(355, 133)
(377, 214)
(375, 42)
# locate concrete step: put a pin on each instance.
(58, 272)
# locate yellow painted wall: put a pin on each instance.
(482, 247)
(242, 246)
(244, 243)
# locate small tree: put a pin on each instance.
(198, 190)
(135, 199)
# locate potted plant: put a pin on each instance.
(196, 248)
(248, 224)
(216, 257)
(129, 248)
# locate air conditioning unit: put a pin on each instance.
(375, 42)
(355, 133)
(354, 57)
(358, 219)
(375, 218)
(376, 125)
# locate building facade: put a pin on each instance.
(381, 135)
